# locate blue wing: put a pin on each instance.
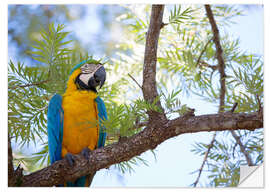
(102, 115)
(55, 118)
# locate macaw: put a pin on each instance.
(74, 120)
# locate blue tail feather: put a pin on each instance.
(80, 182)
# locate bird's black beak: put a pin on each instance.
(90, 81)
(100, 76)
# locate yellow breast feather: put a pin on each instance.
(80, 118)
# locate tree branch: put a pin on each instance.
(242, 148)
(219, 53)
(30, 84)
(135, 81)
(202, 52)
(147, 139)
(11, 175)
(150, 57)
(14, 176)
(205, 159)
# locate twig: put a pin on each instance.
(30, 84)
(138, 125)
(205, 159)
(135, 80)
(242, 148)
(234, 107)
(204, 49)
(259, 102)
(260, 111)
(163, 25)
(141, 124)
(43, 108)
(258, 99)
(203, 63)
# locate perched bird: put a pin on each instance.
(74, 120)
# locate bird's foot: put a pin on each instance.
(70, 159)
(86, 152)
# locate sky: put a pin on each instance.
(174, 162)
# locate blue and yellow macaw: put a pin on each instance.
(74, 120)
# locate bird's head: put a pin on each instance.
(87, 75)
(91, 76)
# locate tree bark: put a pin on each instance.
(147, 139)
(150, 59)
(11, 172)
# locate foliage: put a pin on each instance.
(186, 66)
(177, 17)
(27, 104)
(127, 165)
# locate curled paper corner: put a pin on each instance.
(251, 176)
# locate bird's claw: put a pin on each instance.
(86, 152)
(70, 159)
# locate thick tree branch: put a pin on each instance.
(147, 139)
(14, 176)
(150, 56)
(11, 173)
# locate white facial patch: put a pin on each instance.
(85, 77)
(88, 70)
